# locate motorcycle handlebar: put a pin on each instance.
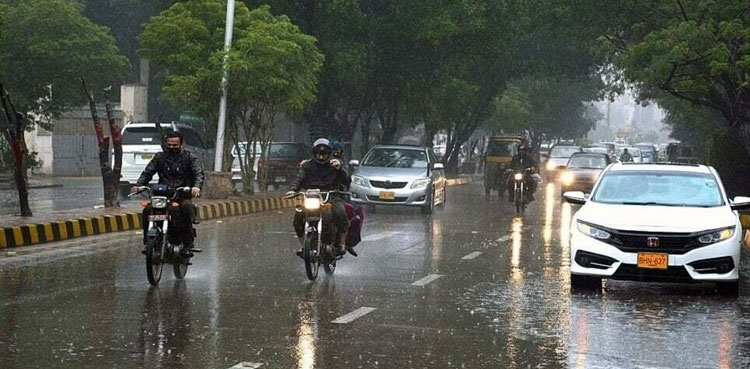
(322, 193)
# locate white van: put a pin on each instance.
(141, 141)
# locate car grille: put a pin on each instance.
(672, 243)
(378, 199)
(671, 274)
(387, 184)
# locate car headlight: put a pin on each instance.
(159, 202)
(419, 183)
(567, 178)
(550, 165)
(357, 180)
(518, 176)
(312, 203)
(716, 236)
(593, 231)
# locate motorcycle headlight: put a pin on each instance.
(550, 165)
(567, 178)
(716, 236)
(419, 183)
(312, 203)
(357, 180)
(593, 231)
(518, 176)
(159, 202)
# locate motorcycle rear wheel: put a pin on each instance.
(330, 268)
(180, 269)
(311, 255)
(154, 261)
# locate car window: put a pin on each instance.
(431, 155)
(288, 151)
(396, 158)
(142, 135)
(658, 188)
(587, 161)
(502, 148)
(563, 151)
(192, 138)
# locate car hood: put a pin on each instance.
(656, 218)
(559, 162)
(391, 173)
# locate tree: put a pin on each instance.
(13, 129)
(271, 67)
(697, 51)
(47, 45)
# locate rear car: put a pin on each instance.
(670, 223)
(583, 170)
(283, 161)
(399, 175)
(558, 159)
(141, 141)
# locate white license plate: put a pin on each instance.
(280, 179)
(158, 217)
(147, 156)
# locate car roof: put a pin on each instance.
(411, 147)
(662, 167)
(163, 124)
(589, 153)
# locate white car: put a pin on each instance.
(656, 223)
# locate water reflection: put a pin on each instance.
(307, 335)
(165, 327)
(549, 210)
(515, 254)
(437, 241)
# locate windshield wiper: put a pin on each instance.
(649, 203)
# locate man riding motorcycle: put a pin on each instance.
(176, 168)
(326, 174)
(520, 162)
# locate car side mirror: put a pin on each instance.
(438, 166)
(354, 163)
(575, 197)
(740, 203)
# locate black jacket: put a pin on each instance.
(523, 161)
(313, 175)
(175, 171)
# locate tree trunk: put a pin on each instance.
(111, 193)
(103, 143)
(14, 134)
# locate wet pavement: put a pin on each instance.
(471, 286)
(56, 193)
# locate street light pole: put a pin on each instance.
(223, 103)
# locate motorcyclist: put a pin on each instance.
(176, 168)
(626, 157)
(326, 174)
(520, 162)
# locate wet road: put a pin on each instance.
(57, 193)
(471, 286)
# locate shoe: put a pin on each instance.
(351, 251)
(340, 251)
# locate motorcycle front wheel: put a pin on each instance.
(519, 201)
(311, 255)
(330, 268)
(154, 262)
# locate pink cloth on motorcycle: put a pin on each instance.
(356, 219)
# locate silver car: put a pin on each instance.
(399, 175)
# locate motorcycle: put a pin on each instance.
(320, 231)
(521, 193)
(163, 243)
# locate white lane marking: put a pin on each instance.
(247, 365)
(424, 281)
(354, 315)
(471, 256)
(505, 238)
(377, 236)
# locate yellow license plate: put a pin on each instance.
(650, 260)
(387, 195)
(147, 156)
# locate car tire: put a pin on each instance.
(730, 289)
(429, 205)
(585, 283)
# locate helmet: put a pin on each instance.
(337, 148)
(523, 147)
(322, 146)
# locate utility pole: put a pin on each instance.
(223, 103)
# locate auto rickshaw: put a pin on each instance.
(498, 155)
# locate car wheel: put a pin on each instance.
(585, 283)
(429, 203)
(731, 289)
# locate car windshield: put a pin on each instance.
(659, 188)
(633, 151)
(502, 148)
(143, 135)
(587, 162)
(563, 151)
(288, 151)
(396, 158)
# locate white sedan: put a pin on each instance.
(669, 223)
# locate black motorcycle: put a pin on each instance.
(164, 244)
(320, 242)
(521, 192)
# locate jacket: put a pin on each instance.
(523, 161)
(175, 171)
(313, 175)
